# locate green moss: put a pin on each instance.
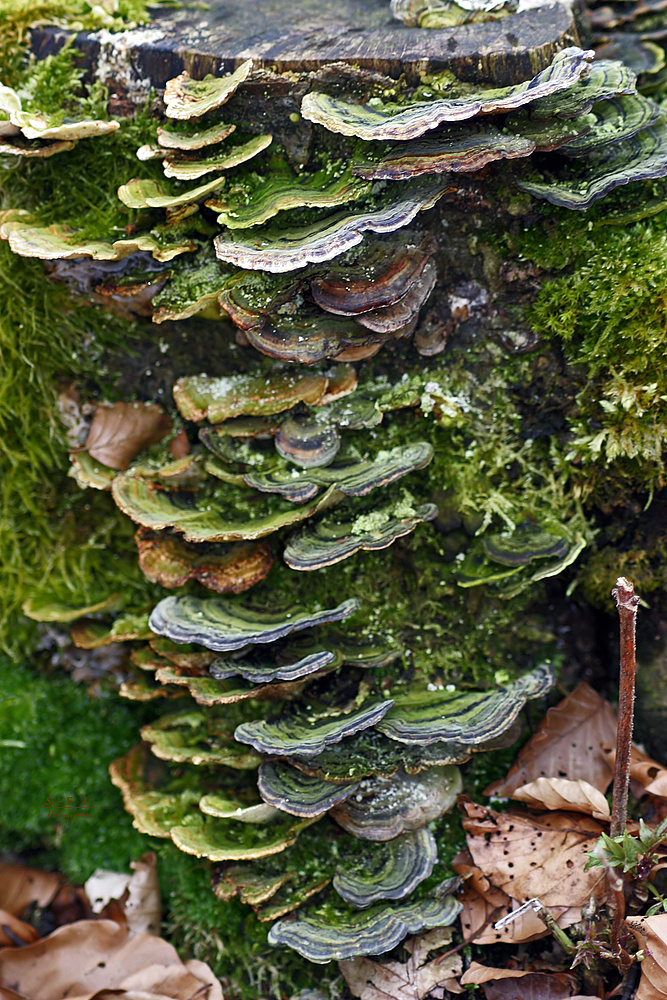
(229, 937)
(57, 744)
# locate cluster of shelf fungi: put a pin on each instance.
(294, 769)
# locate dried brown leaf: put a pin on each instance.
(567, 744)
(91, 957)
(370, 980)
(517, 984)
(138, 895)
(651, 934)
(119, 432)
(561, 793)
(535, 856)
(13, 930)
(483, 904)
(646, 772)
(20, 886)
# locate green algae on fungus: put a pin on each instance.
(616, 119)
(191, 290)
(604, 79)
(426, 716)
(209, 692)
(391, 871)
(371, 932)
(221, 840)
(193, 737)
(326, 188)
(464, 149)
(350, 530)
(353, 478)
(63, 243)
(307, 735)
(227, 625)
(297, 793)
(183, 169)
(138, 193)
(186, 98)
(281, 250)
(640, 157)
(217, 514)
(223, 807)
(396, 122)
(199, 397)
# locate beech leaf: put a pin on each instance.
(567, 744)
(651, 934)
(535, 856)
(482, 904)
(646, 772)
(502, 984)
(414, 980)
(119, 432)
(90, 957)
(138, 894)
(561, 793)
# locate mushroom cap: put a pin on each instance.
(390, 870)
(280, 249)
(306, 441)
(384, 808)
(224, 625)
(371, 123)
(641, 157)
(184, 169)
(210, 514)
(186, 98)
(371, 932)
(353, 478)
(299, 733)
(459, 150)
(172, 562)
(287, 788)
(189, 140)
(379, 274)
(470, 718)
(340, 535)
(224, 840)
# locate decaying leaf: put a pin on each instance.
(138, 894)
(644, 771)
(119, 432)
(21, 886)
(560, 793)
(482, 904)
(503, 984)
(414, 980)
(90, 956)
(535, 856)
(567, 744)
(14, 931)
(651, 934)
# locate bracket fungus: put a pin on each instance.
(315, 752)
(371, 123)
(391, 871)
(370, 932)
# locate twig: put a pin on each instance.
(627, 603)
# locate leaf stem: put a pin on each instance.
(627, 603)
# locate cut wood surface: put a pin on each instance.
(303, 35)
